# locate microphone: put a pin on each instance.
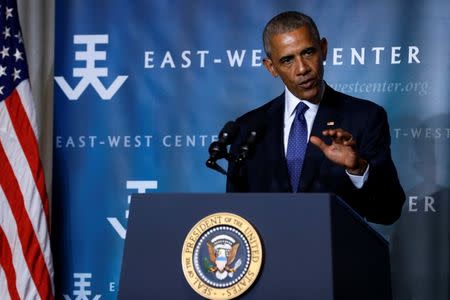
(228, 133)
(246, 149)
(218, 149)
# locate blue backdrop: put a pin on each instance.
(143, 87)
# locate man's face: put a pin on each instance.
(297, 57)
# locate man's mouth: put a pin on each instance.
(307, 84)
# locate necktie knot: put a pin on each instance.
(301, 109)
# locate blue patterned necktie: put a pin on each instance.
(298, 139)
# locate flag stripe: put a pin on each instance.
(25, 284)
(24, 90)
(4, 294)
(28, 141)
(6, 264)
(30, 245)
(24, 176)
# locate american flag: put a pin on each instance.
(26, 270)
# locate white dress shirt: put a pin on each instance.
(290, 104)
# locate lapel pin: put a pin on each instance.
(330, 123)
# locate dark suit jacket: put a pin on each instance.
(380, 199)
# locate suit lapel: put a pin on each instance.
(328, 112)
(275, 146)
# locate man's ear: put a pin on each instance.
(324, 48)
(269, 66)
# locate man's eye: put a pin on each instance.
(286, 60)
(309, 52)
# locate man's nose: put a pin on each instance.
(302, 67)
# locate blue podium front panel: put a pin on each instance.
(295, 229)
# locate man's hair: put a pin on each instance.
(287, 22)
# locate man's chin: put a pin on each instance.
(312, 95)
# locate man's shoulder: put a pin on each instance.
(262, 112)
(351, 103)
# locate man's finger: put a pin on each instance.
(338, 135)
(351, 142)
(318, 142)
(329, 132)
(338, 132)
(345, 135)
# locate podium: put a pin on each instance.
(314, 246)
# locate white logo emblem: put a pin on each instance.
(83, 285)
(141, 186)
(90, 74)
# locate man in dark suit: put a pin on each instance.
(312, 138)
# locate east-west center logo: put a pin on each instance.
(90, 74)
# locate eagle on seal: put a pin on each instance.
(222, 258)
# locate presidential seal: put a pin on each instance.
(222, 256)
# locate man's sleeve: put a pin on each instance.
(382, 196)
(359, 180)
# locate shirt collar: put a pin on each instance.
(291, 103)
